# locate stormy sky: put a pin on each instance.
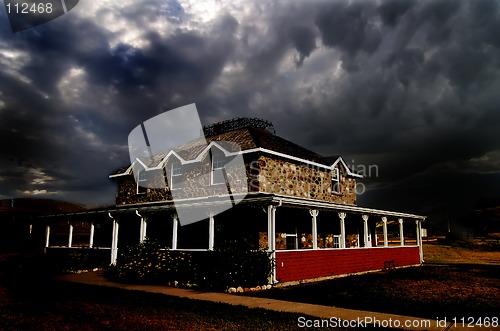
(412, 87)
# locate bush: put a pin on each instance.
(234, 263)
(86, 259)
(147, 262)
(75, 259)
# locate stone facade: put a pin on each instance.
(280, 176)
(266, 174)
(196, 183)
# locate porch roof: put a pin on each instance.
(251, 198)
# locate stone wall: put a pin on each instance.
(283, 177)
(262, 174)
(194, 185)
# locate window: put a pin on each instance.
(176, 176)
(142, 182)
(292, 241)
(218, 176)
(336, 241)
(335, 180)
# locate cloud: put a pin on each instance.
(303, 39)
(411, 86)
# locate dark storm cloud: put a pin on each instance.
(434, 100)
(411, 86)
(303, 39)
(420, 86)
(75, 146)
(391, 11)
(349, 27)
(405, 64)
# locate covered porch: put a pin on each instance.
(309, 239)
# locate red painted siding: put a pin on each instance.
(309, 264)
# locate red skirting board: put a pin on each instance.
(310, 264)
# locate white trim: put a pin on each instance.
(213, 169)
(175, 226)
(341, 160)
(336, 179)
(386, 241)
(249, 197)
(192, 249)
(419, 240)
(342, 217)
(171, 182)
(139, 180)
(343, 207)
(314, 213)
(271, 237)
(70, 236)
(336, 245)
(143, 227)
(114, 240)
(47, 235)
(211, 231)
(401, 232)
(367, 243)
(338, 249)
(91, 236)
(227, 153)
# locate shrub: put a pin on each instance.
(76, 259)
(233, 263)
(147, 262)
(86, 259)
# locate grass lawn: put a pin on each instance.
(441, 288)
(32, 302)
(470, 289)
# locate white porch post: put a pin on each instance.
(211, 231)
(271, 227)
(419, 240)
(401, 232)
(271, 237)
(421, 243)
(314, 213)
(365, 230)
(342, 229)
(386, 242)
(91, 236)
(114, 240)
(70, 236)
(144, 224)
(174, 232)
(47, 235)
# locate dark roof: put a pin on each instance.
(267, 140)
(246, 138)
(38, 206)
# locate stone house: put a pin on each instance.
(282, 197)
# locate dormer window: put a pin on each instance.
(176, 176)
(142, 182)
(335, 180)
(218, 169)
